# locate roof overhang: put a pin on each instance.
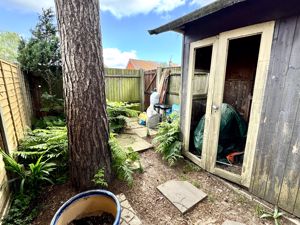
(179, 24)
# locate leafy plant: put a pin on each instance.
(32, 176)
(168, 141)
(117, 113)
(49, 121)
(99, 178)
(23, 210)
(52, 104)
(275, 215)
(123, 160)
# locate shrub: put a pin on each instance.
(168, 141)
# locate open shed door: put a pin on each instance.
(237, 77)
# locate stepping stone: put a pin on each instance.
(128, 215)
(135, 142)
(142, 132)
(230, 222)
(182, 194)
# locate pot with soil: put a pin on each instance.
(94, 207)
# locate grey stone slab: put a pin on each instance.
(134, 141)
(230, 222)
(142, 132)
(182, 194)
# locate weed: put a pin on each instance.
(191, 167)
(183, 177)
(259, 210)
(275, 215)
(196, 184)
(99, 178)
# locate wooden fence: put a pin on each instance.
(124, 85)
(15, 112)
(152, 77)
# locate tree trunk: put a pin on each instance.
(84, 89)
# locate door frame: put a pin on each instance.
(215, 98)
(212, 41)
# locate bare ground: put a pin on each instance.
(152, 208)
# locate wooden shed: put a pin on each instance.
(250, 51)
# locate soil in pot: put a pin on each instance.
(103, 219)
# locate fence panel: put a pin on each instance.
(15, 112)
(123, 85)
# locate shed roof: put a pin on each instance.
(177, 24)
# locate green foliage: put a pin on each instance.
(9, 42)
(275, 215)
(117, 113)
(124, 161)
(32, 176)
(168, 141)
(51, 143)
(49, 121)
(191, 167)
(52, 104)
(99, 178)
(40, 55)
(23, 210)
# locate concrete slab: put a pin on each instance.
(182, 194)
(128, 215)
(132, 123)
(142, 132)
(132, 140)
(230, 222)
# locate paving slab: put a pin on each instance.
(182, 194)
(230, 222)
(128, 215)
(134, 141)
(142, 132)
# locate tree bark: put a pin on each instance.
(84, 89)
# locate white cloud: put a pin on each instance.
(123, 8)
(119, 8)
(115, 58)
(201, 2)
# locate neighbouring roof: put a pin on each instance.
(177, 24)
(142, 64)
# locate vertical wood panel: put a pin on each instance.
(281, 50)
(277, 163)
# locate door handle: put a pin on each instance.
(215, 107)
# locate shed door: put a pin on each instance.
(234, 111)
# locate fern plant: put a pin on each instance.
(123, 160)
(168, 141)
(117, 113)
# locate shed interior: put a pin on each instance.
(242, 57)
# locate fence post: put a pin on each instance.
(158, 76)
(142, 89)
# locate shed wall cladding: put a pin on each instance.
(15, 114)
(276, 176)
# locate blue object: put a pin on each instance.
(112, 205)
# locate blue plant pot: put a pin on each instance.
(86, 204)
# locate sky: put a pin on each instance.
(124, 25)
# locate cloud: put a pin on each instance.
(125, 8)
(119, 8)
(201, 2)
(113, 57)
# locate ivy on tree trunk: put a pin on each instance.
(84, 89)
